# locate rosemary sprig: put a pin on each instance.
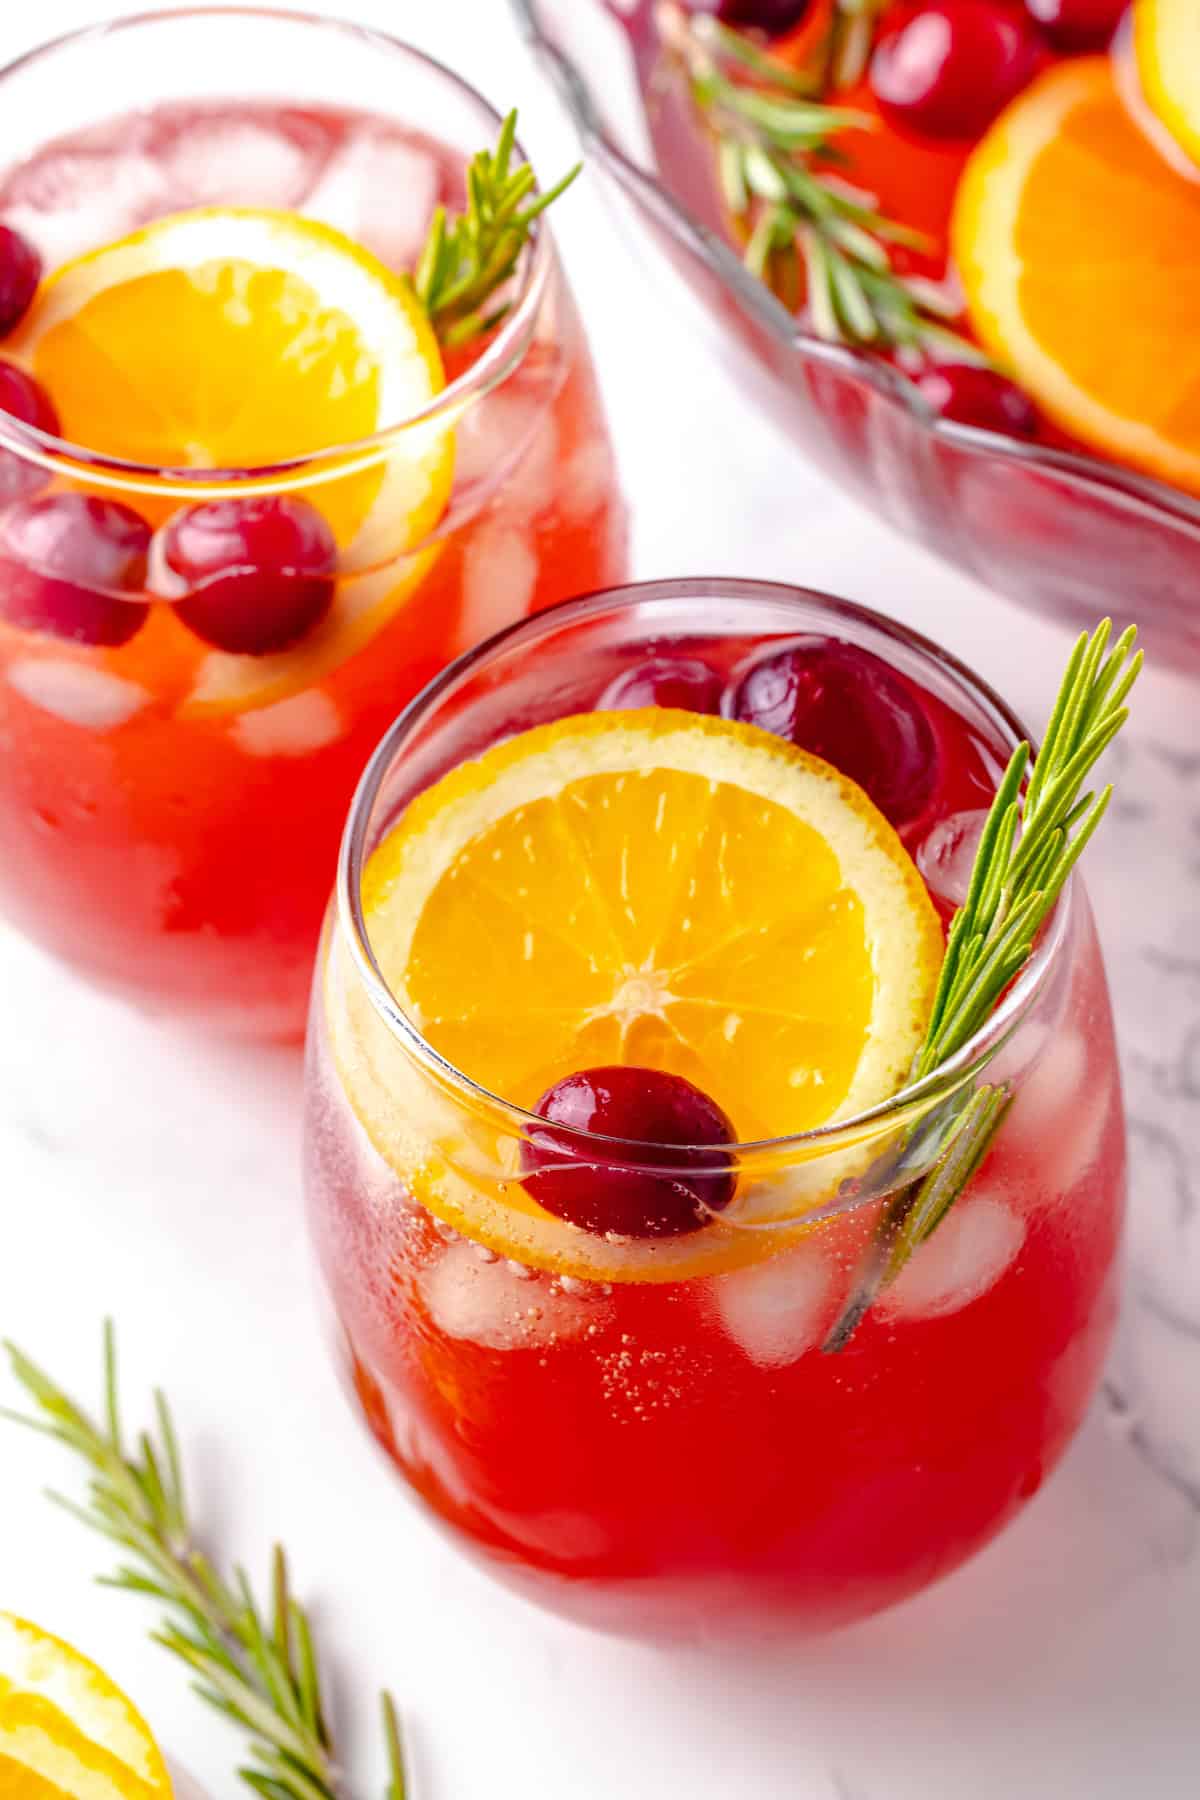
(256, 1666)
(1031, 841)
(850, 40)
(809, 234)
(469, 257)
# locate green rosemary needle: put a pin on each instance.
(256, 1666)
(469, 257)
(1036, 829)
(809, 234)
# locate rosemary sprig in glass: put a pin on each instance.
(809, 234)
(1031, 841)
(256, 1665)
(469, 257)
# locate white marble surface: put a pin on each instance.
(154, 1177)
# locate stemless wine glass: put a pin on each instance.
(654, 1434)
(172, 791)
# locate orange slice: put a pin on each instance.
(1166, 54)
(65, 1729)
(238, 338)
(1079, 252)
(648, 887)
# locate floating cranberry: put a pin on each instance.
(683, 681)
(774, 17)
(980, 397)
(611, 1188)
(1078, 24)
(20, 272)
(66, 560)
(27, 400)
(846, 706)
(250, 575)
(950, 67)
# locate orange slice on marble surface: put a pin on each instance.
(66, 1731)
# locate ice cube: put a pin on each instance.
(381, 191)
(500, 571)
(967, 1254)
(242, 161)
(947, 856)
(77, 692)
(291, 727)
(511, 437)
(586, 481)
(70, 201)
(1076, 1140)
(488, 1303)
(1050, 1094)
(779, 1309)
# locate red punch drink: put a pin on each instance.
(260, 481)
(611, 1086)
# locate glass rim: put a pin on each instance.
(946, 1078)
(499, 359)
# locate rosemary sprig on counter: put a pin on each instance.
(469, 257)
(256, 1665)
(1030, 843)
(808, 233)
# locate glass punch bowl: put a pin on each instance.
(1056, 530)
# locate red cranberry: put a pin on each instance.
(980, 397)
(251, 575)
(20, 272)
(27, 400)
(774, 17)
(682, 681)
(66, 560)
(1078, 24)
(846, 706)
(952, 66)
(611, 1188)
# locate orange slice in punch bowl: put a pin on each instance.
(1078, 246)
(650, 888)
(1166, 65)
(240, 338)
(66, 1729)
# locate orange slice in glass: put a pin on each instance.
(237, 338)
(1079, 251)
(649, 887)
(66, 1729)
